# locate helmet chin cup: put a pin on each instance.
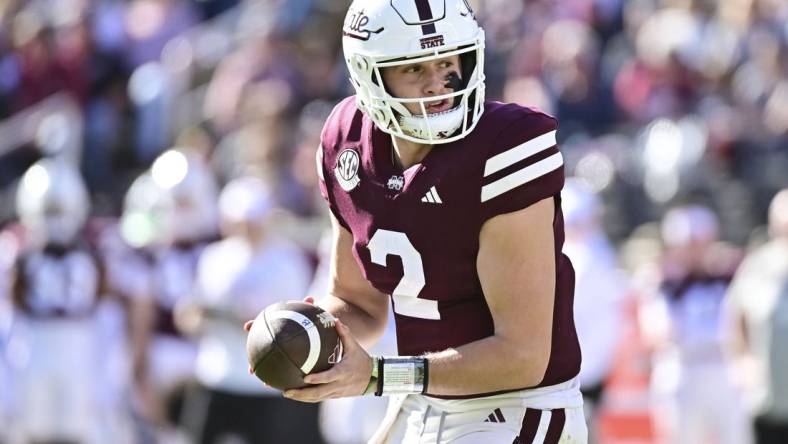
(441, 125)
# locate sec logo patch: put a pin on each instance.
(346, 170)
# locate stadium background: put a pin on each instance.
(660, 102)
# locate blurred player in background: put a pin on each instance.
(758, 297)
(9, 245)
(170, 216)
(451, 205)
(237, 277)
(694, 396)
(600, 290)
(56, 363)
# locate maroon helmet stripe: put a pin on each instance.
(530, 424)
(425, 13)
(556, 427)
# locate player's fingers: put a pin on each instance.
(307, 394)
(248, 325)
(348, 341)
(329, 375)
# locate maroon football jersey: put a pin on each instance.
(416, 233)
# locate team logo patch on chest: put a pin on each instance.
(346, 170)
(396, 183)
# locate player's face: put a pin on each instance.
(424, 79)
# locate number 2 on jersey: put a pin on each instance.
(406, 294)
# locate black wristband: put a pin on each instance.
(426, 376)
(381, 367)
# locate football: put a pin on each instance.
(290, 340)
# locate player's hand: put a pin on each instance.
(349, 377)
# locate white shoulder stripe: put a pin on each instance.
(522, 176)
(520, 152)
(319, 161)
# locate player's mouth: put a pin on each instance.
(439, 106)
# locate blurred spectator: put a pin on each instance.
(695, 400)
(600, 290)
(237, 277)
(150, 24)
(759, 301)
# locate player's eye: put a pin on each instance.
(412, 69)
(446, 64)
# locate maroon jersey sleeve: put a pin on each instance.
(327, 152)
(523, 165)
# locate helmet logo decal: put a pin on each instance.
(355, 26)
(432, 42)
(346, 170)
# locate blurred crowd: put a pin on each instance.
(158, 188)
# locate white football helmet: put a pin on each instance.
(385, 33)
(52, 202)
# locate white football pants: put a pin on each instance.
(545, 415)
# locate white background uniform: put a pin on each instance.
(172, 357)
(54, 353)
(6, 264)
(598, 308)
(691, 380)
(760, 293)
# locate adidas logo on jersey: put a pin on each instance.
(432, 197)
(495, 416)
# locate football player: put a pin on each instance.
(451, 205)
(169, 217)
(694, 398)
(237, 277)
(55, 288)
